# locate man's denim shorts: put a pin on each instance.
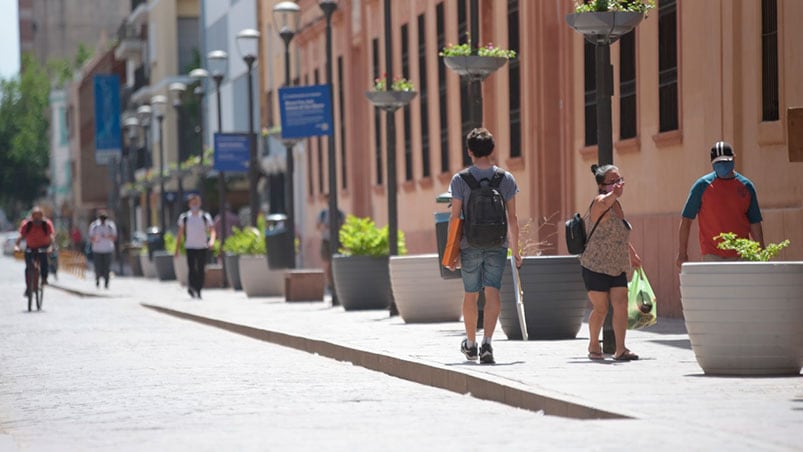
(482, 268)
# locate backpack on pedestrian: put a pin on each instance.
(485, 213)
(204, 214)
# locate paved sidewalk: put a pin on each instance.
(665, 387)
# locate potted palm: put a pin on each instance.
(744, 317)
(401, 92)
(360, 271)
(475, 64)
(605, 21)
(555, 297)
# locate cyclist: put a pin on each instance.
(38, 232)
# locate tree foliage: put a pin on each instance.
(24, 150)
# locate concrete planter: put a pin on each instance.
(744, 318)
(182, 269)
(163, 261)
(233, 271)
(148, 267)
(421, 294)
(554, 298)
(257, 279)
(604, 27)
(474, 67)
(361, 282)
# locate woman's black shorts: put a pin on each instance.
(600, 282)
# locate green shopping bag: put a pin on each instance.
(642, 310)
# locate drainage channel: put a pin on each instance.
(430, 375)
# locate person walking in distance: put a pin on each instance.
(102, 235)
(485, 196)
(196, 231)
(725, 201)
(326, 236)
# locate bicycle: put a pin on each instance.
(35, 287)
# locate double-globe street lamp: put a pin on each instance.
(218, 62)
(248, 44)
(144, 114)
(131, 126)
(286, 17)
(159, 105)
(329, 7)
(199, 75)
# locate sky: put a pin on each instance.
(9, 39)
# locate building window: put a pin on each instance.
(627, 86)
(408, 138)
(590, 84)
(514, 78)
(667, 65)
(377, 118)
(342, 108)
(769, 60)
(442, 91)
(422, 96)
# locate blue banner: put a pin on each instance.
(306, 111)
(108, 139)
(232, 152)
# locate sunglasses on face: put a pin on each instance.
(617, 181)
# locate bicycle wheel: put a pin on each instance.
(40, 296)
(30, 290)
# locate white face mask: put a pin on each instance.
(195, 208)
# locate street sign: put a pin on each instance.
(306, 111)
(108, 139)
(232, 152)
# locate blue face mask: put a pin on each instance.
(723, 169)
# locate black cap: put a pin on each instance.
(721, 151)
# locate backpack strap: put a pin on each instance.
(469, 178)
(496, 180)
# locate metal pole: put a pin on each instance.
(254, 164)
(603, 81)
(200, 129)
(334, 217)
(474, 85)
(393, 208)
(287, 36)
(180, 175)
(160, 119)
(149, 164)
(221, 181)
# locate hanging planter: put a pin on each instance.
(390, 100)
(474, 67)
(604, 27)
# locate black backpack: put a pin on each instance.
(576, 239)
(485, 214)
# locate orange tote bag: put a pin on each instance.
(452, 251)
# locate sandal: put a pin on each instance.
(626, 356)
(596, 356)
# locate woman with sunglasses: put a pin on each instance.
(606, 261)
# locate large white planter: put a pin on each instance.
(182, 269)
(148, 267)
(744, 318)
(258, 280)
(421, 294)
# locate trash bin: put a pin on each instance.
(279, 242)
(442, 234)
(155, 240)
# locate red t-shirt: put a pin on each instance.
(35, 235)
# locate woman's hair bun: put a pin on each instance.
(594, 168)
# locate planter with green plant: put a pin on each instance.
(745, 317)
(180, 266)
(475, 64)
(555, 297)
(163, 259)
(256, 278)
(401, 92)
(240, 242)
(360, 271)
(605, 21)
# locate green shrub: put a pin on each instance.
(633, 6)
(747, 249)
(361, 237)
(245, 241)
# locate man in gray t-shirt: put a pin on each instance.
(482, 267)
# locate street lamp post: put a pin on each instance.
(218, 60)
(159, 103)
(176, 90)
(329, 7)
(286, 17)
(200, 74)
(144, 114)
(131, 126)
(247, 44)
